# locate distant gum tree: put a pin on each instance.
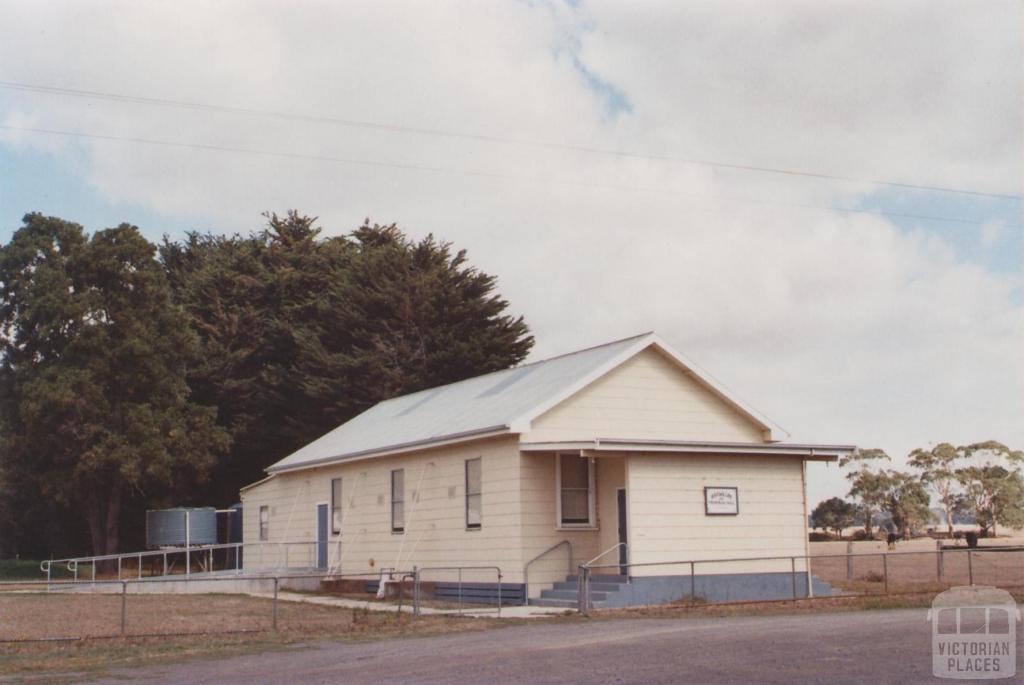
(993, 485)
(868, 487)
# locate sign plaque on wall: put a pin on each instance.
(721, 501)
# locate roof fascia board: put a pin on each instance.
(261, 481)
(810, 452)
(441, 441)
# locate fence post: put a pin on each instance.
(939, 559)
(415, 591)
(693, 583)
(124, 604)
(792, 574)
(499, 593)
(140, 565)
(581, 595)
(849, 561)
(165, 564)
(885, 571)
(460, 589)
(970, 567)
(273, 622)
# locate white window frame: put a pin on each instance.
(264, 523)
(591, 494)
(480, 493)
(397, 530)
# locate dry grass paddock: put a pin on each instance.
(920, 571)
(207, 617)
(88, 615)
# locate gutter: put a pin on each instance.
(805, 451)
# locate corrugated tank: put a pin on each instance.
(166, 527)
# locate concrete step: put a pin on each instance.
(563, 603)
(600, 578)
(571, 595)
(599, 587)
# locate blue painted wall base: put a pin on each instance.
(725, 587)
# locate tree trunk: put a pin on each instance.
(949, 520)
(867, 523)
(113, 522)
(97, 530)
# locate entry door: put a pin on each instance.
(623, 550)
(321, 536)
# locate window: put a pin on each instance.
(398, 501)
(336, 507)
(575, 491)
(473, 480)
(264, 522)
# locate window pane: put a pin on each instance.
(574, 471)
(473, 477)
(398, 516)
(473, 511)
(575, 506)
(398, 485)
(398, 500)
(473, 503)
(336, 508)
(264, 522)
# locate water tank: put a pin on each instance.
(166, 527)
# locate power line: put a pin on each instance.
(483, 174)
(353, 123)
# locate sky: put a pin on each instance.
(606, 160)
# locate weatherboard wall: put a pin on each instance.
(667, 519)
(648, 397)
(435, 513)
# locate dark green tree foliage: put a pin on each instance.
(301, 333)
(834, 514)
(95, 406)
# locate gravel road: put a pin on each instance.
(855, 647)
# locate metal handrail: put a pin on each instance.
(975, 550)
(526, 568)
(72, 563)
(607, 551)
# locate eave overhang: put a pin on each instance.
(612, 446)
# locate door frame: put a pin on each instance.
(326, 542)
(622, 528)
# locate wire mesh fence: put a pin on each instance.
(788, 578)
(315, 603)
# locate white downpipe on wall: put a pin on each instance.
(412, 510)
(345, 520)
(291, 515)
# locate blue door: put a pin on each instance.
(321, 536)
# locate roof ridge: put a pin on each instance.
(523, 366)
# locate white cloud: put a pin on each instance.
(840, 326)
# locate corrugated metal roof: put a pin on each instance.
(492, 402)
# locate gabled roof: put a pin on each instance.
(503, 402)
